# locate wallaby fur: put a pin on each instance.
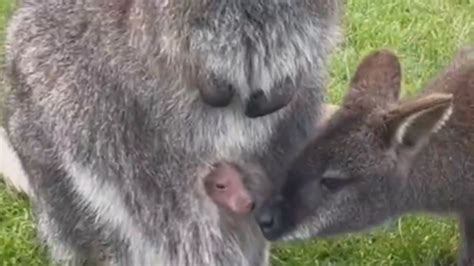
(379, 157)
(115, 104)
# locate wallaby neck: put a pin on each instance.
(441, 178)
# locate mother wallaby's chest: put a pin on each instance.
(257, 48)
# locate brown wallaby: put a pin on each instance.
(379, 157)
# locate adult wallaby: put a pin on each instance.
(379, 157)
(115, 104)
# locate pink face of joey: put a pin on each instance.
(225, 186)
(348, 177)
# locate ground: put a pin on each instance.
(425, 34)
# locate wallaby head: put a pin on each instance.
(351, 175)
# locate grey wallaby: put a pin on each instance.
(380, 157)
(116, 104)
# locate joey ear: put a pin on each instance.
(376, 82)
(413, 122)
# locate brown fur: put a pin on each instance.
(379, 157)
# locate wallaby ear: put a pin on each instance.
(376, 82)
(412, 122)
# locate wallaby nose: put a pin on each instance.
(270, 223)
(265, 220)
(250, 206)
(259, 104)
(270, 218)
(246, 206)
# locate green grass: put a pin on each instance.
(425, 34)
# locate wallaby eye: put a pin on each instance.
(221, 186)
(333, 184)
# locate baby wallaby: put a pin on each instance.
(225, 186)
(379, 157)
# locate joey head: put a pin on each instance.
(225, 186)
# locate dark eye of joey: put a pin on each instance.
(221, 186)
(334, 184)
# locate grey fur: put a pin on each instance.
(380, 157)
(108, 122)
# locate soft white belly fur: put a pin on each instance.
(11, 168)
